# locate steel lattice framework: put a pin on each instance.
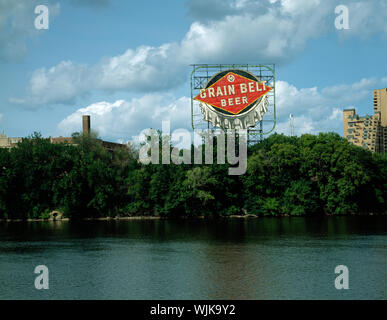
(202, 73)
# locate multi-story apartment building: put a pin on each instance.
(367, 131)
(380, 105)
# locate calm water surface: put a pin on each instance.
(269, 258)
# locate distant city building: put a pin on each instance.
(369, 132)
(6, 142)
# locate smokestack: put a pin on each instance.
(86, 125)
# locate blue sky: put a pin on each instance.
(127, 62)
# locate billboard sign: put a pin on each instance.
(234, 99)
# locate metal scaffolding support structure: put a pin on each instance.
(202, 73)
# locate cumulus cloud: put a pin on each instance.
(314, 101)
(141, 70)
(366, 17)
(268, 31)
(276, 34)
(62, 82)
(315, 109)
(122, 120)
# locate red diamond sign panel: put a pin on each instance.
(233, 93)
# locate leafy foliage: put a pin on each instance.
(309, 175)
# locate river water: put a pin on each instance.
(268, 258)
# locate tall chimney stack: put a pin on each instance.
(86, 125)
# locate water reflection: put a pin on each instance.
(286, 258)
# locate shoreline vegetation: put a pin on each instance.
(310, 175)
(128, 218)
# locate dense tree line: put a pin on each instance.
(307, 175)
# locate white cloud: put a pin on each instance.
(270, 36)
(299, 7)
(273, 36)
(366, 17)
(124, 119)
(336, 114)
(213, 10)
(315, 109)
(351, 92)
(141, 70)
(246, 30)
(302, 124)
(307, 124)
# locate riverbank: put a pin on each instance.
(247, 216)
(85, 219)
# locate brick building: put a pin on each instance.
(6, 142)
